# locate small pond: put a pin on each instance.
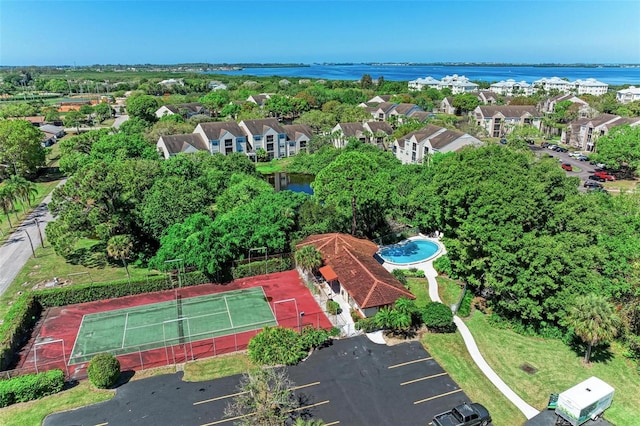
(291, 181)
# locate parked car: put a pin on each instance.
(605, 175)
(503, 141)
(575, 154)
(544, 144)
(567, 167)
(601, 165)
(592, 184)
(552, 147)
(597, 178)
(582, 157)
(472, 414)
(561, 149)
(530, 141)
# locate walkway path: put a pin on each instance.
(430, 273)
(17, 250)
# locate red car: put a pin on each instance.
(605, 175)
(567, 167)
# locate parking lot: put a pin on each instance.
(352, 382)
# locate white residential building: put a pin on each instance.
(267, 134)
(499, 121)
(224, 137)
(457, 84)
(416, 146)
(631, 94)
(553, 83)
(512, 88)
(590, 86)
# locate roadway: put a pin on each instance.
(15, 252)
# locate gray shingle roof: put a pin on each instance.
(176, 144)
(509, 111)
(213, 130)
(294, 130)
(259, 127)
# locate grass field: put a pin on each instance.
(273, 166)
(558, 368)
(450, 352)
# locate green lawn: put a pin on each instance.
(274, 166)
(559, 368)
(216, 367)
(448, 289)
(450, 352)
(32, 413)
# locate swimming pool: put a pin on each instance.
(409, 251)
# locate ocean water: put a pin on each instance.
(606, 74)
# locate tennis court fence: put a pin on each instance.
(56, 354)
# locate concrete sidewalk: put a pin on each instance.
(430, 273)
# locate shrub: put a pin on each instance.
(108, 290)
(276, 345)
(464, 310)
(400, 276)
(259, 268)
(104, 370)
(355, 315)
(438, 317)
(443, 266)
(332, 307)
(367, 325)
(311, 338)
(30, 387)
(16, 326)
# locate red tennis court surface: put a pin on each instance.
(52, 343)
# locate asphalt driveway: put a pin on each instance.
(352, 382)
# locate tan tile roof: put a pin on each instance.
(366, 280)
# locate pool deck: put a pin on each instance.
(431, 274)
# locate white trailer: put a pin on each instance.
(584, 401)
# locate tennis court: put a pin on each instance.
(179, 321)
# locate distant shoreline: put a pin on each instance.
(303, 65)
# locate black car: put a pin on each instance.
(544, 144)
(597, 178)
(503, 141)
(592, 184)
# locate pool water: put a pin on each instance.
(407, 252)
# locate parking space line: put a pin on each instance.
(230, 419)
(231, 395)
(409, 362)
(423, 378)
(308, 406)
(437, 396)
(102, 424)
(332, 423)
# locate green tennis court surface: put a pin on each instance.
(157, 325)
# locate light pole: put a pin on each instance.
(30, 242)
(265, 256)
(35, 219)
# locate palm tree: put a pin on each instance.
(120, 247)
(308, 258)
(7, 197)
(24, 190)
(594, 320)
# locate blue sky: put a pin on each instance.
(59, 32)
